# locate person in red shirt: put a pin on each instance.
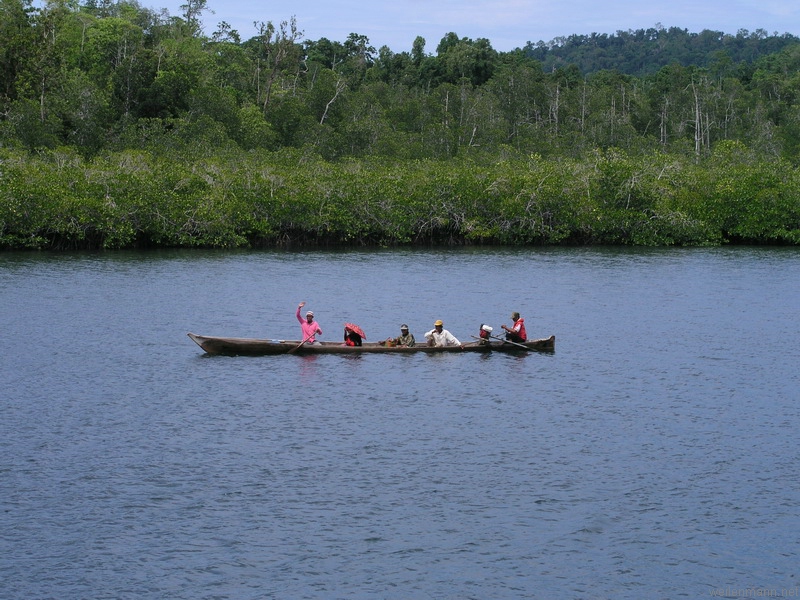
(516, 333)
(351, 338)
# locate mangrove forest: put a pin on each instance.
(126, 127)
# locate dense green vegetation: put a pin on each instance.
(122, 127)
(646, 51)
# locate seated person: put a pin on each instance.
(351, 338)
(405, 338)
(516, 333)
(440, 337)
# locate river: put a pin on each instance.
(653, 455)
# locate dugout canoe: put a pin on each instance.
(264, 347)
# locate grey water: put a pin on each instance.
(653, 455)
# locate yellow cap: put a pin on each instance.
(438, 322)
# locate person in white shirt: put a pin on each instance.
(439, 336)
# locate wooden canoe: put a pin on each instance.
(264, 347)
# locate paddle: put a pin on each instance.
(509, 342)
(296, 348)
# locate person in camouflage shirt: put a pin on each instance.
(405, 338)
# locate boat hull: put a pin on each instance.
(265, 347)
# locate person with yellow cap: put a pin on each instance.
(439, 336)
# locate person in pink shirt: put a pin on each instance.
(308, 325)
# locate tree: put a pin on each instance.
(276, 50)
(16, 45)
(359, 52)
(418, 50)
(54, 53)
(192, 12)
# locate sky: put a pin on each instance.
(507, 24)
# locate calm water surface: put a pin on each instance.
(654, 455)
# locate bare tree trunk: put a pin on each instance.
(698, 122)
(340, 85)
(554, 108)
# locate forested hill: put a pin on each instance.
(645, 51)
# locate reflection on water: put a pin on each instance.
(650, 456)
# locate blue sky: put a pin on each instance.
(508, 24)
